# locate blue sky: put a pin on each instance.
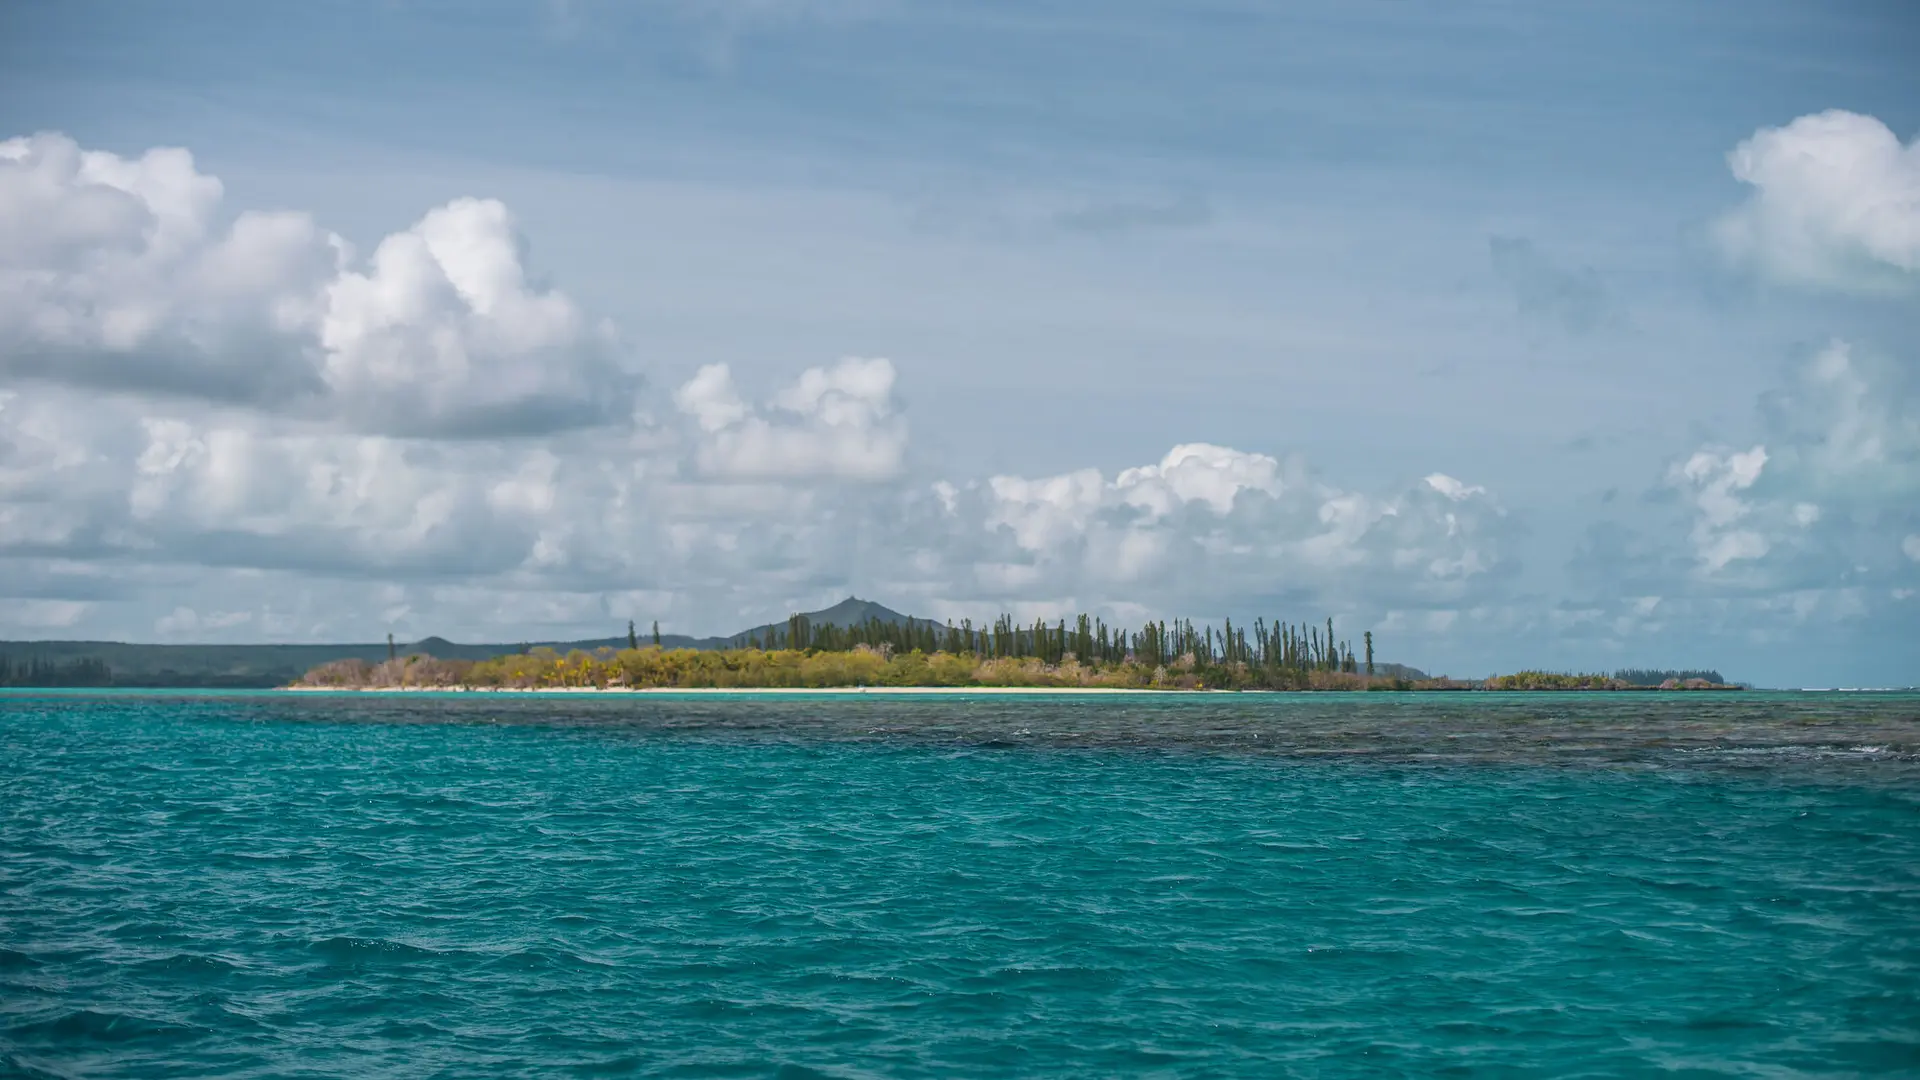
(1334, 251)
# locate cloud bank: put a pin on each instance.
(124, 275)
(219, 422)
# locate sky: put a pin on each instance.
(1572, 336)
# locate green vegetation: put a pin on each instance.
(1551, 680)
(802, 654)
(854, 643)
(865, 664)
(37, 671)
(1649, 677)
(912, 652)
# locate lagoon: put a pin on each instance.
(263, 884)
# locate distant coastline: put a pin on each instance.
(864, 668)
(842, 691)
(831, 691)
(854, 646)
(858, 646)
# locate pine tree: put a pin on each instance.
(633, 640)
(656, 633)
(1368, 638)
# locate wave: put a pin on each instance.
(913, 905)
(81, 1026)
(370, 952)
(187, 963)
(15, 960)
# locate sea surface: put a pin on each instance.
(354, 885)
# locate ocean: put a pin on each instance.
(355, 885)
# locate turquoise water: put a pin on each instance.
(260, 885)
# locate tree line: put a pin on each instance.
(1656, 677)
(40, 672)
(1086, 652)
(1089, 640)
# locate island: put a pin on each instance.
(885, 650)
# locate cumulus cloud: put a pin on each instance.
(1827, 498)
(124, 274)
(1214, 525)
(744, 510)
(115, 273)
(240, 495)
(1849, 427)
(1198, 473)
(61, 465)
(1835, 203)
(1716, 481)
(279, 462)
(91, 480)
(1794, 544)
(839, 422)
(443, 335)
(168, 484)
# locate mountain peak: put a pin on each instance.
(853, 611)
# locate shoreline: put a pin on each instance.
(810, 690)
(956, 690)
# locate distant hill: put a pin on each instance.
(79, 663)
(852, 611)
(70, 663)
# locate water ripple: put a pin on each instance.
(256, 886)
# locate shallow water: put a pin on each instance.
(1555, 885)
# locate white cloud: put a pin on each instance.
(60, 463)
(354, 506)
(1850, 423)
(1453, 489)
(1791, 546)
(115, 272)
(185, 622)
(1836, 203)
(84, 478)
(246, 512)
(839, 422)
(174, 484)
(1213, 525)
(123, 274)
(1826, 497)
(275, 463)
(442, 334)
(1046, 512)
(1198, 472)
(710, 398)
(1715, 480)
